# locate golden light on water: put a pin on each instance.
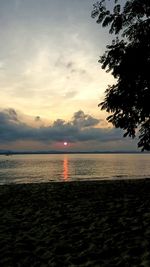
(65, 169)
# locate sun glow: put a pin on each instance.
(65, 143)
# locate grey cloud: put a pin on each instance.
(12, 129)
(61, 62)
(81, 119)
(76, 70)
(59, 123)
(12, 114)
(71, 94)
(100, 134)
(71, 66)
(79, 129)
(8, 115)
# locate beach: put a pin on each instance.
(101, 223)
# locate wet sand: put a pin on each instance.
(75, 224)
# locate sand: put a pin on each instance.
(75, 224)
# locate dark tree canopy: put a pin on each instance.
(128, 59)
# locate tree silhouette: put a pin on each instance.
(128, 59)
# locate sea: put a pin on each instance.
(20, 169)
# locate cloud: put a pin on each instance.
(73, 67)
(82, 127)
(8, 115)
(81, 119)
(70, 65)
(71, 94)
(12, 114)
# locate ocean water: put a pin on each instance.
(72, 167)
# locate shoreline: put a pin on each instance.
(83, 181)
(89, 223)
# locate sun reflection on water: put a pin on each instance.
(65, 169)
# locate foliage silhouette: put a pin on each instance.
(128, 59)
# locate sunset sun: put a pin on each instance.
(65, 143)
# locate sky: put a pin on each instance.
(50, 80)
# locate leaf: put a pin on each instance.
(101, 17)
(117, 9)
(94, 14)
(107, 21)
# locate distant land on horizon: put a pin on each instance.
(11, 152)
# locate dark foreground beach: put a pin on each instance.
(75, 224)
